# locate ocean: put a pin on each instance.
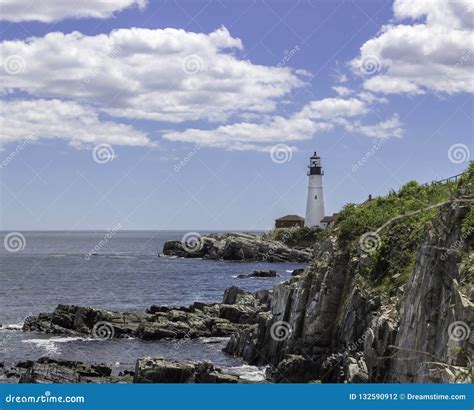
(122, 271)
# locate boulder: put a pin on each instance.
(259, 274)
(159, 370)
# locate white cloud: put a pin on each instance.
(328, 108)
(384, 129)
(317, 116)
(252, 136)
(342, 91)
(163, 74)
(48, 11)
(81, 126)
(433, 53)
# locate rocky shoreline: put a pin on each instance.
(235, 247)
(335, 321)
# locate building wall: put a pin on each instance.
(288, 224)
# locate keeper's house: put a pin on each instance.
(289, 221)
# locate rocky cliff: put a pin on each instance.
(371, 308)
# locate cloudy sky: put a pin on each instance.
(203, 114)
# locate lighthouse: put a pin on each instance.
(315, 201)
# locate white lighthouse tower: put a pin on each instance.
(315, 201)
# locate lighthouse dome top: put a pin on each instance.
(315, 155)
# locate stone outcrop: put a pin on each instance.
(259, 274)
(328, 324)
(49, 370)
(238, 310)
(159, 370)
(236, 247)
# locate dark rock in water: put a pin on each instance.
(159, 370)
(48, 370)
(260, 274)
(297, 272)
(239, 310)
(237, 247)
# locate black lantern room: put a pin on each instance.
(315, 165)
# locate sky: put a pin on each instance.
(202, 115)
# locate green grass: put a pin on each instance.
(298, 237)
(400, 219)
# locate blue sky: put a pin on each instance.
(193, 98)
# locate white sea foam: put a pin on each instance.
(52, 345)
(246, 372)
(12, 326)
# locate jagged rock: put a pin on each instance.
(48, 370)
(296, 369)
(259, 274)
(159, 370)
(240, 309)
(297, 272)
(237, 247)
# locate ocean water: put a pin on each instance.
(123, 273)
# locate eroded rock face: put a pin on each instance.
(49, 370)
(326, 325)
(159, 370)
(238, 310)
(237, 247)
(435, 335)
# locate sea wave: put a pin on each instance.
(247, 372)
(51, 345)
(12, 326)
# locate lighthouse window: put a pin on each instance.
(315, 197)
